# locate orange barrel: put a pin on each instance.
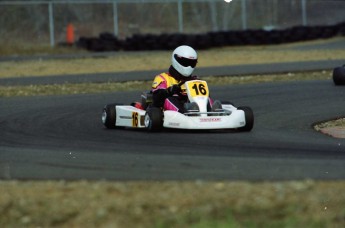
(70, 34)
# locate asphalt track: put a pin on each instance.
(61, 137)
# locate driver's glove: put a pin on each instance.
(174, 89)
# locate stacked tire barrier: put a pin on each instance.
(108, 42)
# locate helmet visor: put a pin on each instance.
(185, 61)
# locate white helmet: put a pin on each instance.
(184, 60)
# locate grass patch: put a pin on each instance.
(64, 89)
(334, 123)
(83, 88)
(172, 204)
(14, 48)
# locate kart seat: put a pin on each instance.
(146, 99)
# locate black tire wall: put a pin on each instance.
(108, 42)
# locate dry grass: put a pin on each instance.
(16, 48)
(82, 88)
(63, 89)
(172, 204)
(334, 123)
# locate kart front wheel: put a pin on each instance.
(249, 117)
(154, 119)
(109, 116)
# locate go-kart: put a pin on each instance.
(153, 118)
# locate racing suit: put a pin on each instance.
(164, 93)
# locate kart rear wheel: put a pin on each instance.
(249, 117)
(109, 116)
(154, 119)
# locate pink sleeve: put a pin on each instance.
(159, 83)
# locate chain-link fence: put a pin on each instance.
(44, 22)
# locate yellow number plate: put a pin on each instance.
(198, 88)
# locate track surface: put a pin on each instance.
(62, 138)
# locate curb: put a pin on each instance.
(335, 132)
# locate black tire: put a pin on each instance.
(109, 116)
(249, 117)
(154, 119)
(339, 75)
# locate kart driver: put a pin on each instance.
(167, 92)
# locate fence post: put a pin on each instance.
(213, 16)
(116, 22)
(180, 15)
(51, 24)
(244, 15)
(304, 12)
